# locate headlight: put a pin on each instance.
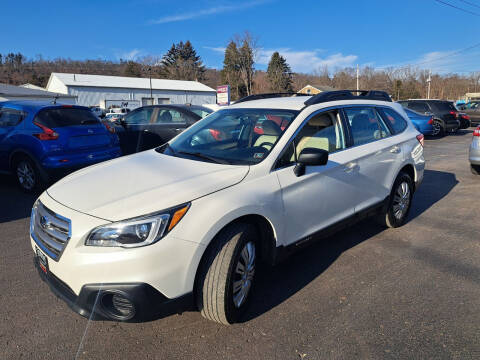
(138, 231)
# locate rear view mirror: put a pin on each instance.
(310, 157)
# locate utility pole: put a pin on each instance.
(429, 80)
(358, 75)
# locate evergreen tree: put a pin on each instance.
(181, 62)
(279, 74)
(231, 71)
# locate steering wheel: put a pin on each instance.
(266, 143)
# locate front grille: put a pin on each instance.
(50, 231)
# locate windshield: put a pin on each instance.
(232, 136)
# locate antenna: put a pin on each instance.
(54, 101)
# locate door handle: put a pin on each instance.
(179, 129)
(146, 130)
(395, 150)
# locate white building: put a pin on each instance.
(118, 91)
(11, 92)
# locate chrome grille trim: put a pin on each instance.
(49, 230)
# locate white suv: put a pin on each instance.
(192, 219)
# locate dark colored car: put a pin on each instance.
(445, 115)
(150, 126)
(40, 142)
(472, 109)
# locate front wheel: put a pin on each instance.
(226, 279)
(399, 203)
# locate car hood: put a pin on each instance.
(142, 183)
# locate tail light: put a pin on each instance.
(477, 131)
(465, 116)
(421, 139)
(109, 127)
(454, 113)
(47, 134)
(430, 122)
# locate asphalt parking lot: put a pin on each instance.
(366, 292)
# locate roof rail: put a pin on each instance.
(268, 96)
(348, 95)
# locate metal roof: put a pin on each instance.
(19, 91)
(129, 82)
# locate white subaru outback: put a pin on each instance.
(192, 219)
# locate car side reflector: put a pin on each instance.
(177, 217)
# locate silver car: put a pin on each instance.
(474, 154)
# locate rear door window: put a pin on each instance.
(10, 117)
(420, 107)
(394, 119)
(140, 116)
(366, 125)
(62, 117)
(169, 116)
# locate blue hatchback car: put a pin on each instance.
(423, 123)
(40, 141)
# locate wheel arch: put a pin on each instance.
(264, 229)
(409, 169)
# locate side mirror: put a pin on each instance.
(310, 157)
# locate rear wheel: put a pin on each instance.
(438, 129)
(475, 169)
(227, 276)
(27, 174)
(400, 202)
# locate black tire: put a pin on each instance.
(396, 213)
(475, 169)
(441, 129)
(27, 175)
(215, 285)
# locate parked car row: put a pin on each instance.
(472, 110)
(40, 142)
(435, 117)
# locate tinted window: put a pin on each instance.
(443, 106)
(366, 125)
(418, 106)
(10, 117)
(140, 116)
(60, 117)
(323, 131)
(396, 121)
(168, 116)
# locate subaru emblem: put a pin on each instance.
(45, 222)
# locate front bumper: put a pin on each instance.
(93, 301)
(166, 270)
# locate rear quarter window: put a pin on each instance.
(10, 117)
(443, 106)
(62, 117)
(394, 119)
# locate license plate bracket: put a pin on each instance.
(42, 260)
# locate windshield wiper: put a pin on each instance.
(203, 156)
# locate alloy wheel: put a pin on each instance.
(436, 128)
(26, 175)
(243, 274)
(401, 200)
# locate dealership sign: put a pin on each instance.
(223, 95)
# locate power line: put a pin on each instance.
(469, 3)
(458, 8)
(432, 60)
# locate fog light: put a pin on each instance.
(117, 306)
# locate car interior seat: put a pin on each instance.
(271, 133)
